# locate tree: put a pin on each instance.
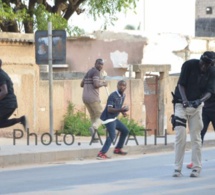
(129, 27)
(30, 15)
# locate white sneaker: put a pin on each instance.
(195, 173)
(92, 130)
(177, 173)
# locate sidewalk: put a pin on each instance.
(20, 153)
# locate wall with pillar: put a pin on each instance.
(163, 72)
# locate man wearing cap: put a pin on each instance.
(91, 84)
(196, 84)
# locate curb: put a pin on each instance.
(53, 157)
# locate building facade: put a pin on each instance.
(205, 18)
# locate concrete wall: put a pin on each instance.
(172, 82)
(117, 49)
(33, 98)
(33, 93)
(17, 54)
(205, 21)
(26, 85)
(201, 6)
(70, 90)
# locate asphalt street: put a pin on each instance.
(149, 174)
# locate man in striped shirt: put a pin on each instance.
(91, 84)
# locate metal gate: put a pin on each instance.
(151, 101)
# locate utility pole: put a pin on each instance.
(50, 79)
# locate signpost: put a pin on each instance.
(50, 48)
(58, 47)
(50, 79)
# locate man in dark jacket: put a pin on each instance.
(8, 102)
(113, 108)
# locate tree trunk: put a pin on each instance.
(61, 6)
(71, 8)
(13, 27)
(28, 27)
(3, 27)
(8, 26)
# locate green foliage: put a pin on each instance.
(20, 13)
(101, 8)
(42, 17)
(132, 125)
(75, 31)
(8, 15)
(108, 9)
(77, 123)
(129, 27)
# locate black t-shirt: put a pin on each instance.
(9, 101)
(210, 103)
(196, 82)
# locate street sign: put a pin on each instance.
(58, 47)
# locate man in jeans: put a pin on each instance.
(8, 102)
(113, 108)
(91, 84)
(195, 85)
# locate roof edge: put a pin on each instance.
(17, 37)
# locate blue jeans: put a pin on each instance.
(111, 127)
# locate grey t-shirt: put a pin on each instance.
(90, 93)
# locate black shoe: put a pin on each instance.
(24, 122)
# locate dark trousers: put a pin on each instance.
(111, 128)
(5, 113)
(207, 117)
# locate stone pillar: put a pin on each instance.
(162, 100)
(163, 69)
(136, 92)
(141, 115)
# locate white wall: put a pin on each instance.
(175, 16)
(160, 50)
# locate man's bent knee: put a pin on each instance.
(177, 121)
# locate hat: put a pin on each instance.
(208, 57)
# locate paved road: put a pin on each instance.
(141, 174)
(24, 154)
